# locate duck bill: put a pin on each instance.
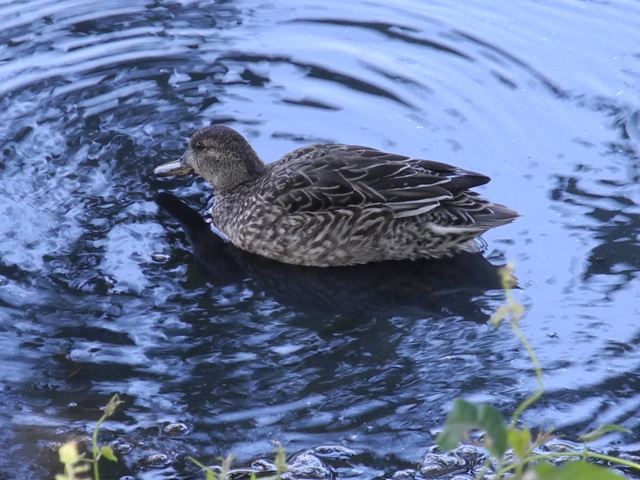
(177, 167)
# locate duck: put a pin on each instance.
(336, 205)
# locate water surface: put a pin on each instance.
(100, 291)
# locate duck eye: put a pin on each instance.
(198, 146)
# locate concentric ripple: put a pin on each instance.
(353, 371)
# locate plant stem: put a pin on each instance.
(537, 367)
(95, 448)
(515, 310)
(70, 471)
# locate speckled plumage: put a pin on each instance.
(329, 205)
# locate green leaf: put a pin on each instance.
(575, 471)
(226, 467)
(210, 474)
(107, 452)
(520, 441)
(114, 403)
(69, 453)
(280, 461)
(601, 431)
(466, 416)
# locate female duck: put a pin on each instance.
(335, 205)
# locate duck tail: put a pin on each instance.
(498, 215)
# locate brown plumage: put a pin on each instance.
(332, 204)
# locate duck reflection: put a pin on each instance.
(442, 287)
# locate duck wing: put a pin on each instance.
(327, 177)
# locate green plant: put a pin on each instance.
(210, 474)
(500, 436)
(76, 465)
(225, 467)
(281, 461)
(98, 451)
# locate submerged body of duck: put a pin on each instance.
(334, 205)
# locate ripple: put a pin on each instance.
(392, 31)
(101, 292)
(43, 67)
(319, 72)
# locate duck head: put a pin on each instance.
(218, 154)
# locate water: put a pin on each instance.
(100, 291)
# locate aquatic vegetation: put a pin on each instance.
(76, 464)
(500, 436)
(223, 471)
(210, 473)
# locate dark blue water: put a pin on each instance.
(100, 291)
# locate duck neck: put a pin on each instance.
(255, 166)
(246, 170)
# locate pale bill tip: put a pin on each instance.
(171, 168)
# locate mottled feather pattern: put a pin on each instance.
(333, 204)
(343, 204)
(330, 176)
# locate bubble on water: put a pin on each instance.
(160, 257)
(307, 466)
(176, 429)
(404, 475)
(334, 452)
(121, 446)
(462, 460)
(155, 460)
